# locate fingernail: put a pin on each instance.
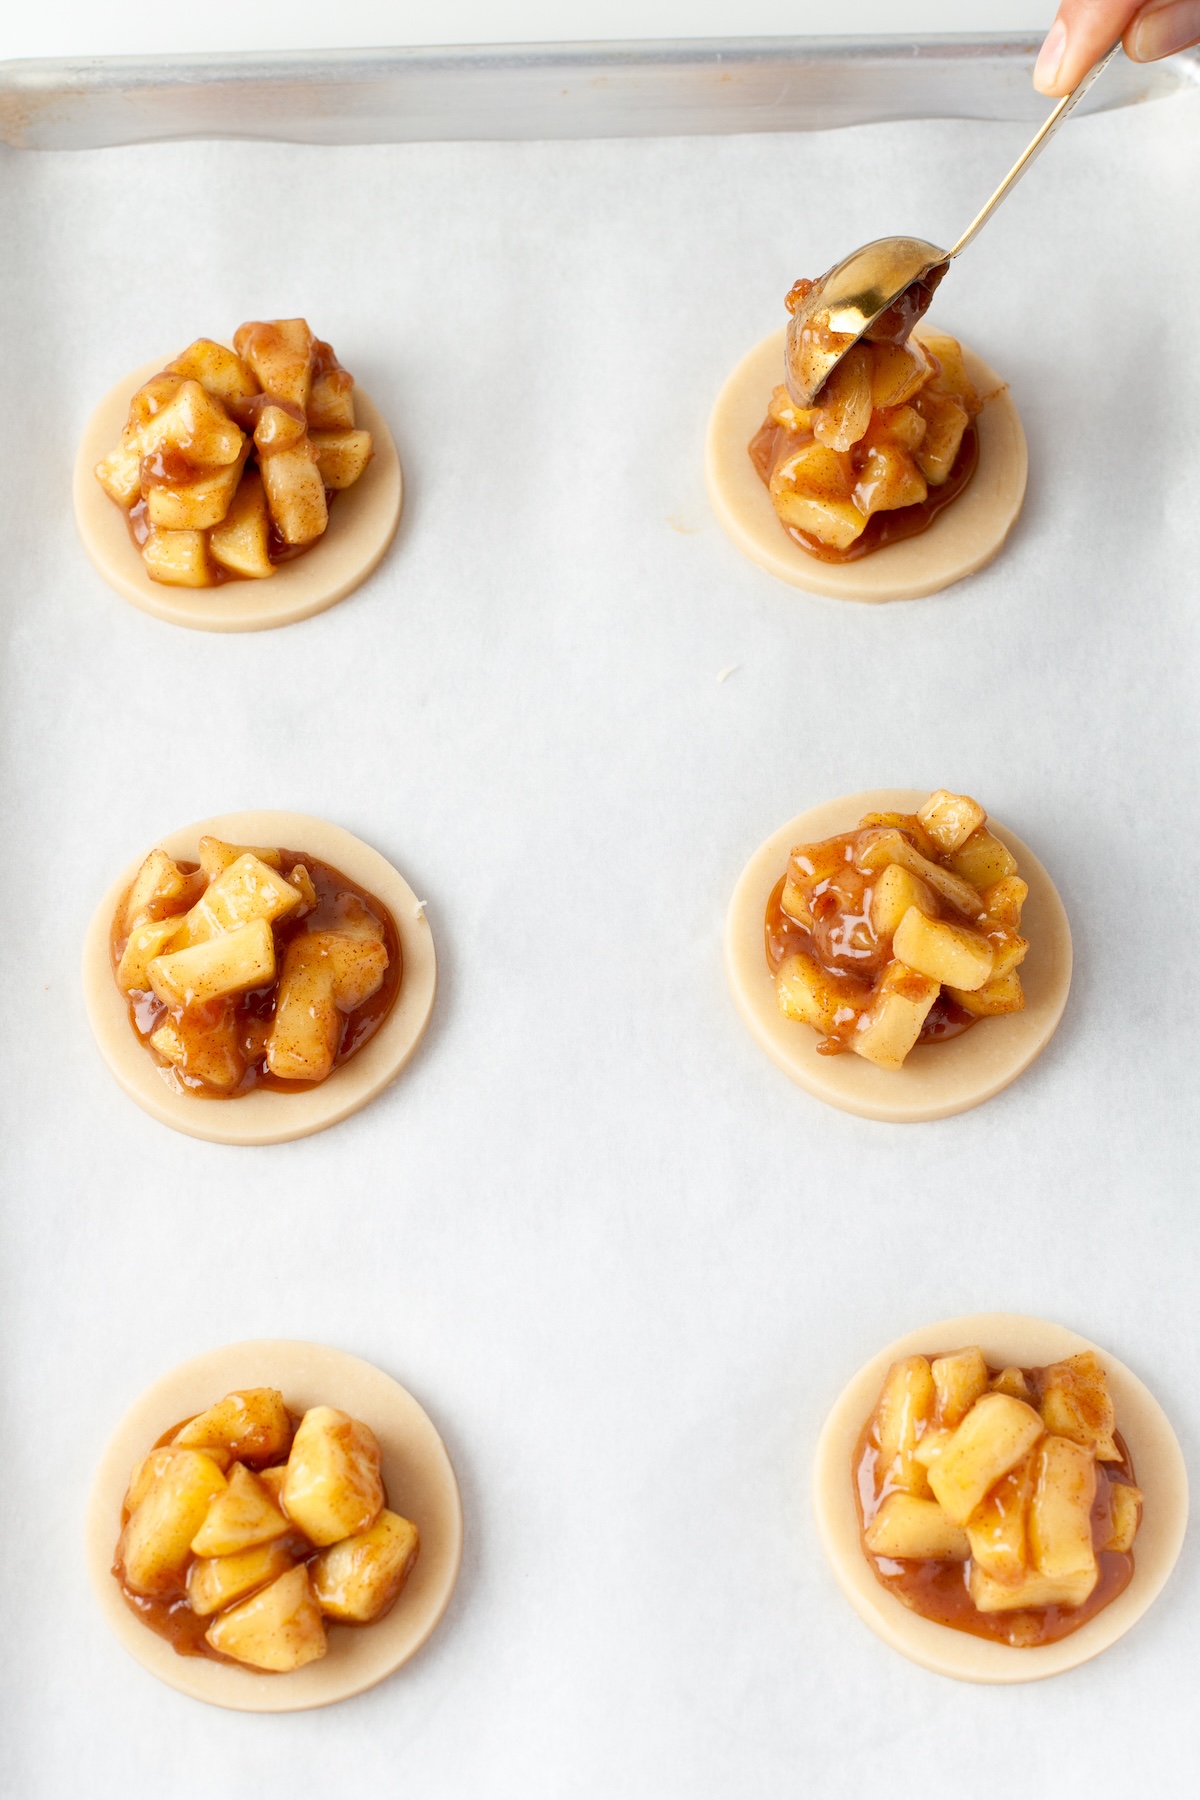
(1165, 30)
(1050, 57)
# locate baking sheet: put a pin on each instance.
(624, 1264)
(490, 91)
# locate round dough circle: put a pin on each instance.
(420, 1485)
(965, 536)
(937, 1079)
(1157, 1460)
(362, 523)
(266, 1115)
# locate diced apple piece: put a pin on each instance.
(178, 558)
(806, 992)
(794, 902)
(951, 375)
(241, 542)
(959, 1379)
(998, 1528)
(1033, 1589)
(1003, 901)
(1060, 1512)
(215, 856)
(302, 881)
(782, 410)
(279, 1628)
(904, 1410)
(1010, 1381)
(946, 420)
(295, 493)
(1009, 950)
(889, 480)
(155, 1546)
(280, 352)
(950, 819)
(933, 1441)
(893, 893)
(120, 473)
(361, 1577)
(215, 1582)
(1125, 1516)
(149, 401)
(331, 402)
(810, 490)
(252, 1423)
(192, 505)
(248, 890)
(239, 1518)
(325, 974)
(203, 1045)
(891, 1025)
(146, 1472)
(333, 1488)
(196, 427)
(157, 883)
(901, 425)
(951, 953)
(232, 963)
(342, 456)
(982, 859)
(914, 1529)
(358, 960)
(145, 942)
(890, 845)
(1076, 1404)
(843, 411)
(1003, 994)
(907, 823)
(898, 371)
(279, 428)
(307, 1030)
(217, 369)
(273, 1480)
(992, 1439)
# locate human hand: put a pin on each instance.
(1084, 29)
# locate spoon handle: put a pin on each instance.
(1034, 150)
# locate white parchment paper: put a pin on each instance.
(624, 1264)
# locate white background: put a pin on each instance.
(623, 1262)
(131, 27)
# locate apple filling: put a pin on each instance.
(889, 444)
(904, 931)
(239, 975)
(230, 459)
(1000, 1502)
(244, 1531)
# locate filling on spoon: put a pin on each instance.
(888, 445)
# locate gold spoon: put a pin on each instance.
(881, 290)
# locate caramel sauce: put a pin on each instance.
(255, 1010)
(882, 527)
(938, 1589)
(854, 970)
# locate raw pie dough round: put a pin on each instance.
(962, 538)
(420, 1485)
(937, 1079)
(267, 1115)
(362, 523)
(1158, 1465)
